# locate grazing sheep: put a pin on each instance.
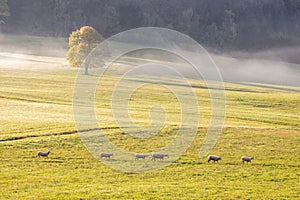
(246, 159)
(106, 155)
(43, 154)
(159, 156)
(142, 156)
(213, 158)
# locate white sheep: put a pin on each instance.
(246, 159)
(106, 155)
(159, 156)
(43, 154)
(213, 158)
(142, 156)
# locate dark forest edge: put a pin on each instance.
(219, 25)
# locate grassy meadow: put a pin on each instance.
(36, 115)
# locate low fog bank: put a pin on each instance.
(261, 69)
(33, 45)
(275, 66)
(290, 54)
(32, 63)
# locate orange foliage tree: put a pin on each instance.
(81, 43)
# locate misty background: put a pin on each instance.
(250, 41)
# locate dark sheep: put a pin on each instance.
(43, 154)
(142, 156)
(159, 156)
(106, 155)
(247, 159)
(213, 158)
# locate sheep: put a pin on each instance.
(213, 158)
(246, 159)
(43, 154)
(106, 155)
(159, 156)
(142, 156)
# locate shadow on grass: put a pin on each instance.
(197, 86)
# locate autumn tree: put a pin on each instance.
(81, 43)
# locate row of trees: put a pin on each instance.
(4, 11)
(223, 25)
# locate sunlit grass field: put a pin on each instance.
(36, 92)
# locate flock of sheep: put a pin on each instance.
(217, 158)
(155, 156)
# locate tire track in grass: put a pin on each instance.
(55, 134)
(34, 100)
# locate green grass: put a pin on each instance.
(36, 114)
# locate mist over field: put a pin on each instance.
(273, 66)
(258, 70)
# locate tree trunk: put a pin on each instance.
(87, 63)
(86, 70)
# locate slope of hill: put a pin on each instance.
(36, 114)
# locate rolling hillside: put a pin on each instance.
(262, 120)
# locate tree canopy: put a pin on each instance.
(81, 43)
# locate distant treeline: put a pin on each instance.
(223, 25)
